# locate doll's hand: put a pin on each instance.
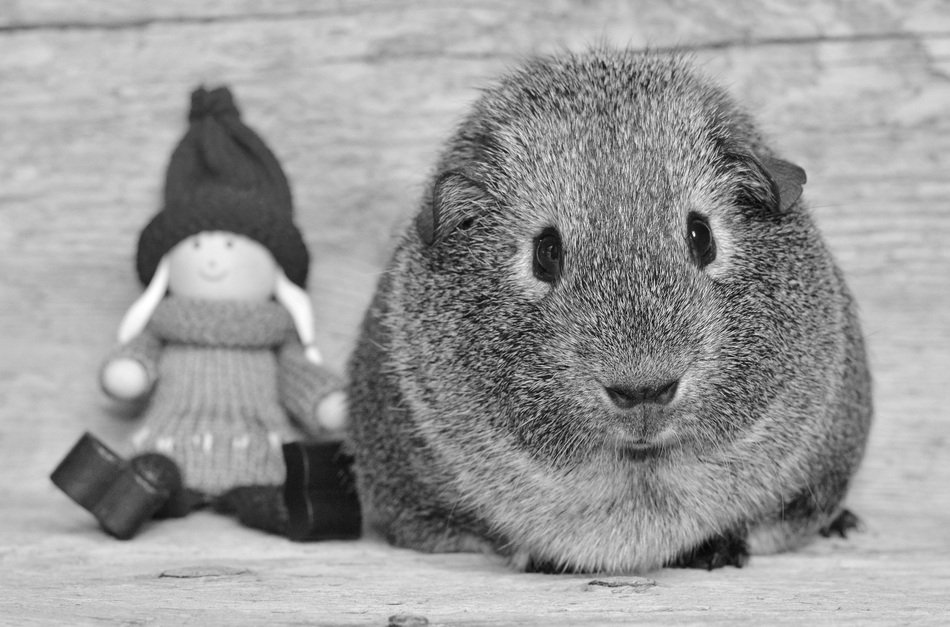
(125, 379)
(331, 412)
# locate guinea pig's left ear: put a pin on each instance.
(787, 180)
(454, 202)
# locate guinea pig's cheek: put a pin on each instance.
(722, 233)
(521, 264)
(679, 417)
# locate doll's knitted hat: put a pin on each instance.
(223, 177)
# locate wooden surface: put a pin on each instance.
(355, 98)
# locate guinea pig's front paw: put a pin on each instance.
(843, 523)
(728, 549)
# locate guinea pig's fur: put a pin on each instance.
(642, 402)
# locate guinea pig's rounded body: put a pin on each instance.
(613, 339)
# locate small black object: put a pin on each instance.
(320, 492)
(121, 495)
(407, 620)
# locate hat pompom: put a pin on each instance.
(215, 103)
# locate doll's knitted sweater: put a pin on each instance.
(227, 378)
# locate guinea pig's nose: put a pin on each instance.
(625, 397)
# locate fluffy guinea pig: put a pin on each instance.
(612, 339)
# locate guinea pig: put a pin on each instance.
(612, 339)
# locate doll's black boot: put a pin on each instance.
(87, 471)
(121, 495)
(137, 494)
(256, 506)
(320, 492)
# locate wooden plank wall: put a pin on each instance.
(355, 98)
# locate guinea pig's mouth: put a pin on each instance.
(637, 451)
(646, 442)
(643, 448)
(640, 445)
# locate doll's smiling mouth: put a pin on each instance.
(211, 275)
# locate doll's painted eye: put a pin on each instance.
(701, 240)
(548, 256)
(229, 242)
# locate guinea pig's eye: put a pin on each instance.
(548, 257)
(700, 240)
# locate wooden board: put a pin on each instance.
(355, 98)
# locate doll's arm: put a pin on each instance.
(311, 393)
(130, 370)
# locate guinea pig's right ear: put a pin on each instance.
(455, 200)
(787, 180)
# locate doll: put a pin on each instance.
(220, 344)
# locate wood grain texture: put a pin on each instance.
(355, 98)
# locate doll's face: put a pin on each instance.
(218, 265)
